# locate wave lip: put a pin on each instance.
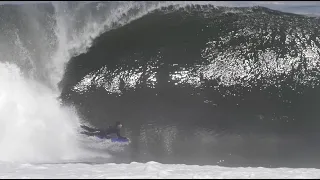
(232, 45)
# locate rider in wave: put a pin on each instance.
(108, 133)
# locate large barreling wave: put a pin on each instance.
(205, 84)
(192, 83)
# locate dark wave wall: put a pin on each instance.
(206, 85)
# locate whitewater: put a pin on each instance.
(150, 170)
(39, 138)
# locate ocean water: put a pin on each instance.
(195, 83)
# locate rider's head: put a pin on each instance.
(118, 125)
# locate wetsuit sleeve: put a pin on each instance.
(89, 129)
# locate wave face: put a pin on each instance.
(205, 85)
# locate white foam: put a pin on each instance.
(33, 125)
(150, 170)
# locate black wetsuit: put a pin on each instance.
(108, 133)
